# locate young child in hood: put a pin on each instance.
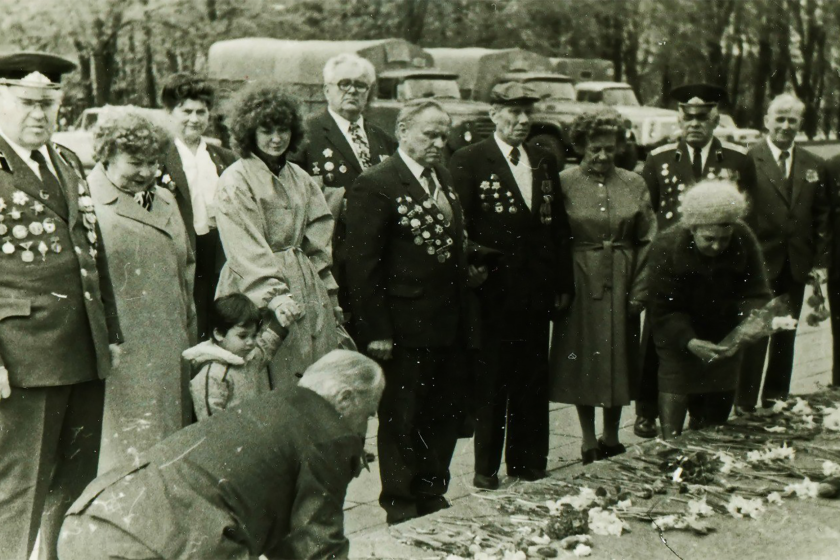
(233, 363)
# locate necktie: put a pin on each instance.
(52, 188)
(514, 156)
(437, 195)
(362, 147)
(697, 164)
(784, 157)
(145, 199)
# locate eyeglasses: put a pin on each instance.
(345, 85)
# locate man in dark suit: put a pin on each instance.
(268, 478)
(340, 144)
(671, 169)
(191, 167)
(58, 320)
(512, 202)
(790, 217)
(407, 273)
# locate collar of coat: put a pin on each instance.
(688, 260)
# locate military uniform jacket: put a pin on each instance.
(406, 267)
(57, 309)
(268, 478)
(790, 215)
(536, 263)
(328, 155)
(668, 174)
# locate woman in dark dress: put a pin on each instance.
(706, 275)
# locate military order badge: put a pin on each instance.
(426, 223)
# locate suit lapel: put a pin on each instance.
(26, 181)
(410, 181)
(798, 173)
(376, 143)
(335, 137)
(158, 218)
(766, 165)
(70, 181)
(539, 174)
(683, 164)
(175, 167)
(498, 162)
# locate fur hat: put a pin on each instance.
(713, 202)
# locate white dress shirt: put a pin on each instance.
(202, 178)
(776, 151)
(704, 154)
(26, 156)
(344, 127)
(521, 171)
(417, 170)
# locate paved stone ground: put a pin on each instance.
(365, 520)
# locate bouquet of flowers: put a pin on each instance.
(774, 316)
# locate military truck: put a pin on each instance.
(651, 125)
(584, 69)
(404, 72)
(480, 69)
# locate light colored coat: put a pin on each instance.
(147, 396)
(595, 352)
(277, 235)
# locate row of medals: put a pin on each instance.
(21, 231)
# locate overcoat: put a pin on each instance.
(276, 231)
(57, 309)
(147, 395)
(791, 219)
(266, 479)
(595, 349)
(695, 296)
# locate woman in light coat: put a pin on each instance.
(276, 229)
(147, 395)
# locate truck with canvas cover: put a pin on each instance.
(404, 72)
(584, 69)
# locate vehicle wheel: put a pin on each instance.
(552, 145)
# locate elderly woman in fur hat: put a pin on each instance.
(706, 275)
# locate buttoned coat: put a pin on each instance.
(792, 224)
(668, 173)
(57, 312)
(147, 395)
(536, 265)
(406, 268)
(268, 478)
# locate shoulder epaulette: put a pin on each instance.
(663, 148)
(734, 147)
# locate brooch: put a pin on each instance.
(812, 176)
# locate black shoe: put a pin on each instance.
(608, 451)
(426, 506)
(486, 482)
(591, 455)
(694, 423)
(645, 427)
(528, 474)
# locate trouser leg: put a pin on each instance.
(780, 357)
(491, 397)
(648, 395)
(752, 369)
(30, 424)
(527, 429)
(834, 303)
(207, 248)
(672, 410)
(716, 408)
(76, 460)
(87, 538)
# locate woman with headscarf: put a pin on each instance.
(707, 274)
(595, 350)
(151, 264)
(276, 229)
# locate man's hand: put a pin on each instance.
(5, 388)
(476, 276)
(562, 302)
(287, 311)
(707, 351)
(116, 353)
(381, 349)
(820, 274)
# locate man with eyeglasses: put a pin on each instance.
(58, 321)
(790, 213)
(669, 171)
(341, 143)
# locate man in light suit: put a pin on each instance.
(266, 478)
(790, 217)
(511, 197)
(58, 320)
(341, 143)
(407, 273)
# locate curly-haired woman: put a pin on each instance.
(595, 347)
(147, 395)
(276, 230)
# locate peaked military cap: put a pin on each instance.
(699, 96)
(34, 70)
(513, 93)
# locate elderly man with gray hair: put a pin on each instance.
(790, 216)
(341, 143)
(265, 478)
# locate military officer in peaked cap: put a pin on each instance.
(58, 322)
(669, 171)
